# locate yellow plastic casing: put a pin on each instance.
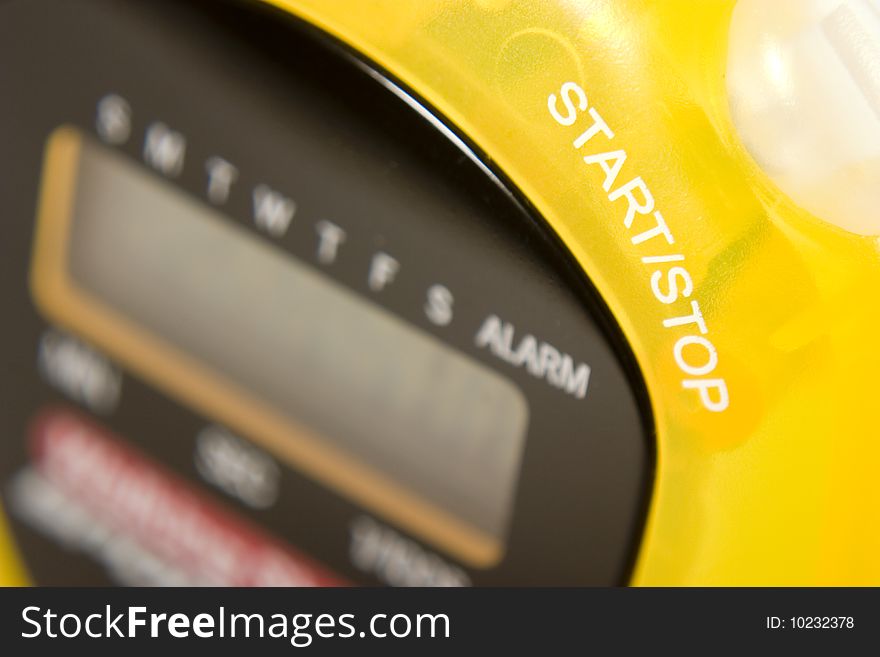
(11, 571)
(781, 487)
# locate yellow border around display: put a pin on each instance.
(174, 371)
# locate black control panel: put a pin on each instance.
(263, 307)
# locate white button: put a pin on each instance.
(804, 85)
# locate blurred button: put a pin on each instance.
(804, 85)
(161, 511)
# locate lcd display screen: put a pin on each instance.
(357, 397)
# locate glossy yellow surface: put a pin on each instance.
(780, 488)
(11, 573)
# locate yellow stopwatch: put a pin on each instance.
(440, 292)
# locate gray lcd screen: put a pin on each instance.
(391, 395)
